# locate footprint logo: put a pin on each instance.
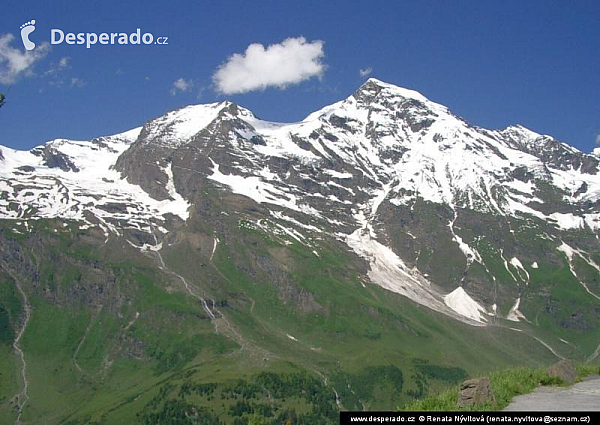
(26, 29)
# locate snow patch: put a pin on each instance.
(469, 252)
(214, 248)
(459, 301)
(260, 191)
(568, 221)
(514, 315)
(337, 174)
(176, 127)
(570, 253)
(177, 205)
(97, 190)
(520, 269)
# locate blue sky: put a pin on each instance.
(534, 63)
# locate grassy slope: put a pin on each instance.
(506, 384)
(360, 338)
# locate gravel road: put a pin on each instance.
(584, 396)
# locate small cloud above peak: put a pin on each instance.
(598, 139)
(77, 82)
(181, 85)
(365, 72)
(278, 65)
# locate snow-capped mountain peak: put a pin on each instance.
(369, 171)
(374, 87)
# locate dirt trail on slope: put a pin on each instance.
(219, 321)
(22, 397)
(82, 341)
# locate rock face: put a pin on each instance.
(563, 370)
(474, 392)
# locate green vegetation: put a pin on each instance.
(446, 374)
(370, 384)
(115, 339)
(506, 384)
(10, 310)
(266, 397)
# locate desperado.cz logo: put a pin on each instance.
(57, 36)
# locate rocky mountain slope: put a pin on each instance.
(385, 189)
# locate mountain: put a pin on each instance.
(220, 264)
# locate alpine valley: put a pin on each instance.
(211, 266)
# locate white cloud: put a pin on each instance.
(365, 72)
(201, 91)
(181, 85)
(77, 82)
(56, 77)
(56, 68)
(279, 65)
(63, 62)
(598, 138)
(15, 63)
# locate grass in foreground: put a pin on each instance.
(506, 384)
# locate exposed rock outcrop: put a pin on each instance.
(475, 391)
